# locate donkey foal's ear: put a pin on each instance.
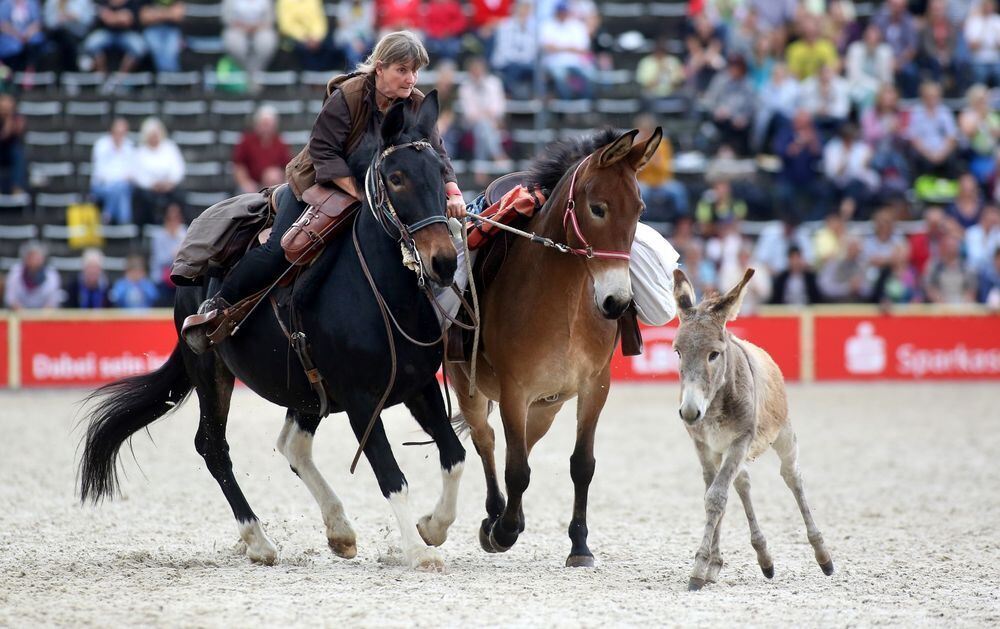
(617, 150)
(729, 305)
(683, 294)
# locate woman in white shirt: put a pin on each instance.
(982, 34)
(159, 170)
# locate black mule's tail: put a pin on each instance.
(120, 410)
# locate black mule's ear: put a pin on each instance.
(683, 294)
(393, 123)
(427, 116)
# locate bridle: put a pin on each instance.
(569, 217)
(385, 213)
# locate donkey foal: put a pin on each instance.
(734, 406)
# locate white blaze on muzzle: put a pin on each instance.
(693, 402)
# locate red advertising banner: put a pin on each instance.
(658, 362)
(4, 349)
(907, 347)
(88, 353)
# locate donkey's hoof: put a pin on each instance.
(827, 567)
(580, 561)
(427, 560)
(343, 548)
(502, 540)
(768, 571)
(432, 534)
(695, 584)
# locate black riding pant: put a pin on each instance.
(262, 265)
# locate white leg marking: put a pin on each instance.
(260, 548)
(297, 448)
(434, 527)
(418, 555)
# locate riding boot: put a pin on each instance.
(197, 327)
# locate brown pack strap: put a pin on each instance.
(300, 344)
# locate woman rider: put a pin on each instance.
(356, 103)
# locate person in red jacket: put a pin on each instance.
(443, 23)
(486, 16)
(398, 15)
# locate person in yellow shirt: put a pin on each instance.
(304, 24)
(664, 196)
(806, 56)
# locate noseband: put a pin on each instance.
(570, 218)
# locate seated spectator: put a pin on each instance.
(885, 243)
(659, 73)
(135, 291)
(937, 54)
(868, 66)
(355, 34)
(744, 34)
(811, 52)
(979, 125)
(758, 291)
(946, 280)
(828, 241)
(67, 23)
(13, 166)
(840, 25)
(730, 100)
(897, 283)
(515, 47)
(847, 165)
(932, 133)
(397, 15)
(483, 109)
(89, 289)
(982, 240)
(774, 15)
(761, 62)
(827, 97)
(968, 203)
(883, 128)
(842, 279)
(164, 243)
(796, 285)
(21, 36)
(982, 35)
(111, 164)
(924, 244)
(249, 36)
(722, 247)
(116, 30)
(305, 25)
(32, 283)
(775, 240)
(899, 30)
(700, 270)
(988, 285)
(776, 102)
(717, 205)
(161, 21)
(704, 44)
(664, 196)
(157, 173)
(450, 131)
(800, 187)
(443, 24)
(486, 17)
(566, 54)
(260, 157)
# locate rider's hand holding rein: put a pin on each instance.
(456, 202)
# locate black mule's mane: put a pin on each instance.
(548, 168)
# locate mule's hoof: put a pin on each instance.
(695, 584)
(506, 541)
(427, 560)
(580, 561)
(432, 534)
(345, 549)
(827, 567)
(484, 537)
(768, 571)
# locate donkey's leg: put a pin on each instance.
(517, 473)
(393, 485)
(475, 410)
(214, 384)
(715, 507)
(428, 409)
(581, 466)
(295, 443)
(710, 463)
(742, 484)
(787, 448)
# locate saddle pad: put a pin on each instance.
(519, 203)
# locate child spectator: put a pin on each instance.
(13, 166)
(32, 283)
(89, 289)
(260, 157)
(67, 23)
(249, 36)
(158, 172)
(161, 21)
(135, 291)
(112, 161)
(21, 36)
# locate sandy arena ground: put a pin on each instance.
(902, 479)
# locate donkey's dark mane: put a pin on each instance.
(547, 169)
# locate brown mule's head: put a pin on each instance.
(607, 205)
(701, 344)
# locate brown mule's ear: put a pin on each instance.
(642, 152)
(729, 305)
(617, 150)
(683, 294)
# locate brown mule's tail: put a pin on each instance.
(461, 426)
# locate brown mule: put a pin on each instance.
(549, 325)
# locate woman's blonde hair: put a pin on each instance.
(149, 126)
(401, 47)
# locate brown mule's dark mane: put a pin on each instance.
(557, 158)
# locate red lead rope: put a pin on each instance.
(570, 217)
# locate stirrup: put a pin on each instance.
(196, 329)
